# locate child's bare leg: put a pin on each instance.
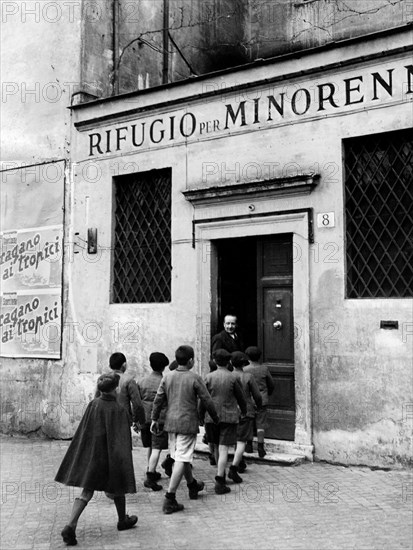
(239, 451)
(260, 438)
(216, 452)
(176, 476)
(222, 459)
(148, 456)
(153, 459)
(188, 472)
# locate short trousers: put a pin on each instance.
(261, 418)
(159, 441)
(182, 446)
(245, 431)
(222, 433)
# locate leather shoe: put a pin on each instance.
(171, 506)
(127, 523)
(69, 536)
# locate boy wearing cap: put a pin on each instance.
(148, 387)
(266, 386)
(180, 390)
(245, 430)
(99, 457)
(128, 393)
(227, 395)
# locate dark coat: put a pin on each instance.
(129, 397)
(223, 340)
(100, 454)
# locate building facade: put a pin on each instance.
(280, 191)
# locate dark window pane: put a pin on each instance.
(379, 215)
(142, 252)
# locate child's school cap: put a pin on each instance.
(108, 382)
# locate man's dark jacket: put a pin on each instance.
(223, 340)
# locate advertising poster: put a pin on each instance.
(31, 324)
(31, 254)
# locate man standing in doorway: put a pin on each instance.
(228, 338)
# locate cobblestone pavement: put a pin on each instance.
(309, 506)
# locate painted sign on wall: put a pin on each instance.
(265, 106)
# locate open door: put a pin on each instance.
(255, 282)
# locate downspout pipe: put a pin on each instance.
(165, 36)
(115, 48)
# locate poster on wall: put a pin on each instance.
(31, 254)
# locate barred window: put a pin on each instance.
(379, 215)
(142, 247)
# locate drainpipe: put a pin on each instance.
(115, 47)
(165, 35)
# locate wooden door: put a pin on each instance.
(276, 330)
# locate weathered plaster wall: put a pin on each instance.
(97, 49)
(40, 72)
(216, 34)
(290, 25)
(38, 78)
(361, 375)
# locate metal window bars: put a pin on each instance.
(379, 215)
(142, 249)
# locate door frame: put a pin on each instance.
(296, 223)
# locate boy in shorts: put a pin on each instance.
(227, 395)
(266, 386)
(180, 390)
(245, 430)
(155, 443)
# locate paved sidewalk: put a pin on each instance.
(311, 506)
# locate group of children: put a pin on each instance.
(167, 409)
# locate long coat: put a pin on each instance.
(100, 454)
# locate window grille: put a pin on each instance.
(379, 215)
(142, 250)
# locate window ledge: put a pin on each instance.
(302, 184)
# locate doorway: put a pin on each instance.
(255, 283)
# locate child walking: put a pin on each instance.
(227, 394)
(155, 443)
(266, 386)
(245, 430)
(128, 393)
(99, 457)
(180, 390)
